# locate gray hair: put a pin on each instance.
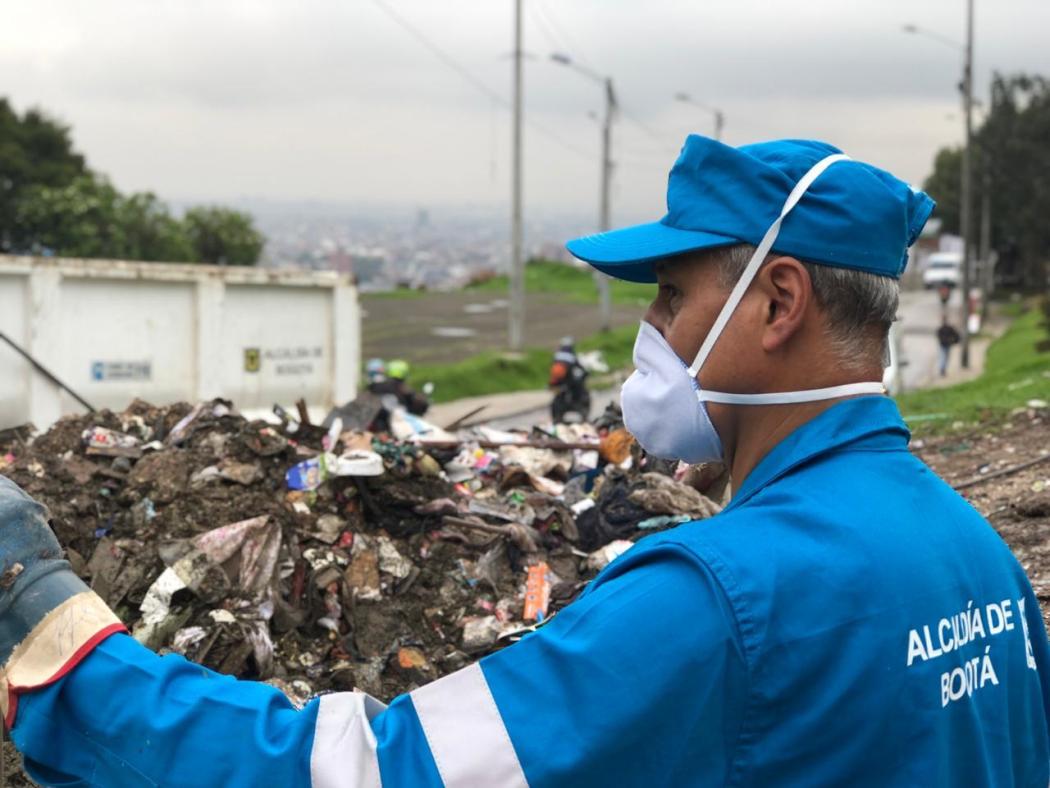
(859, 306)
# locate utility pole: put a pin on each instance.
(719, 115)
(604, 222)
(985, 249)
(601, 281)
(516, 332)
(966, 212)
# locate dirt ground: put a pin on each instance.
(404, 328)
(1017, 504)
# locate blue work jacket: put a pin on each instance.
(848, 620)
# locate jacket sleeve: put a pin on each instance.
(127, 717)
(641, 681)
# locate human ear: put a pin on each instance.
(787, 290)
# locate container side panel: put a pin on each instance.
(277, 345)
(14, 370)
(127, 339)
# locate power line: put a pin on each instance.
(560, 29)
(648, 157)
(440, 53)
(468, 77)
(648, 130)
(648, 166)
(556, 138)
(557, 43)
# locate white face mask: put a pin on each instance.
(663, 405)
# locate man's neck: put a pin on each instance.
(761, 427)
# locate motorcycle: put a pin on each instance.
(572, 401)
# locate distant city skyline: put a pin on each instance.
(248, 101)
(438, 249)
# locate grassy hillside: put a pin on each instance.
(575, 284)
(1016, 371)
(495, 372)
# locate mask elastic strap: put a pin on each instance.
(791, 397)
(756, 260)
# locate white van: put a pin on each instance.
(942, 268)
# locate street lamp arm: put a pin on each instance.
(564, 60)
(685, 98)
(946, 40)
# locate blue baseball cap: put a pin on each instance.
(853, 216)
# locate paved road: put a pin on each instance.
(920, 313)
(530, 418)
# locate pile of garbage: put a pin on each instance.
(328, 557)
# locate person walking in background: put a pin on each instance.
(946, 337)
(944, 293)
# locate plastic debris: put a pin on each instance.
(480, 632)
(663, 495)
(537, 593)
(357, 463)
(312, 473)
(329, 528)
(103, 442)
(308, 474)
(664, 521)
(604, 556)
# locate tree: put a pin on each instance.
(223, 236)
(1011, 163)
(78, 219)
(35, 151)
(90, 218)
(150, 233)
(52, 203)
(944, 186)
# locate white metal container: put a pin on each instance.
(114, 330)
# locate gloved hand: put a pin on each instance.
(49, 619)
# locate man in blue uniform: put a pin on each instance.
(846, 620)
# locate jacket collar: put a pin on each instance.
(869, 422)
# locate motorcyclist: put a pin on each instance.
(568, 378)
(396, 384)
(375, 371)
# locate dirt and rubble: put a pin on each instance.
(319, 559)
(210, 537)
(1000, 470)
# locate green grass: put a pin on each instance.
(1013, 308)
(496, 373)
(400, 294)
(1015, 371)
(574, 284)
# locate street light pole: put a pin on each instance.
(966, 176)
(966, 213)
(719, 116)
(601, 281)
(984, 251)
(604, 221)
(516, 330)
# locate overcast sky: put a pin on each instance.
(335, 102)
